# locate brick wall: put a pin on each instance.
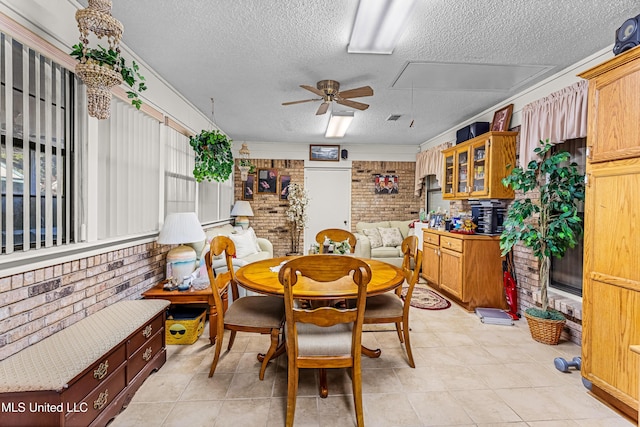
(269, 218)
(369, 207)
(38, 303)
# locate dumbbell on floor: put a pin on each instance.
(563, 365)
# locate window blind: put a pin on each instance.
(180, 185)
(36, 151)
(128, 169)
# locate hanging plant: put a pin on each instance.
(110, 60)
(214, 159)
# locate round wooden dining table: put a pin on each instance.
(262, 277)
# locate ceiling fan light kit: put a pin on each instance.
(338, 124)
(379, 25)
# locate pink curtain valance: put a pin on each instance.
(429, 162)
(557, 117)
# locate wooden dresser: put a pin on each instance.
(467, 268)
(85, 374)
(611, 282)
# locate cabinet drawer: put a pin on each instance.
(83, 412)
(450, 243)
(98, 373)
(144, 334)
(144, 355)
(431, 238)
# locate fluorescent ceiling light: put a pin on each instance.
(379, 25)
(338, 124)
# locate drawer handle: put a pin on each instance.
(101, 400)
(147, 354)
(449, 243)
(102, 370)
(147, 331)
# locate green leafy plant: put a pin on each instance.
(343, 247)
(111, 58)
(548, 224)
(247, 163)
(213, 156)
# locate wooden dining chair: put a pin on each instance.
(389, 307)
(337, 235)
(324, 337)
(260, 314)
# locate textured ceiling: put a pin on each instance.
(252, 55)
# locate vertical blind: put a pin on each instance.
(128, 169)
(180, 185)
(36, 151)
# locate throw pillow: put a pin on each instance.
(251, 231)
(245, 243)
(374, 237)
(391, 237)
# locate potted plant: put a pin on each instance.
(102, 69)
(297, 215)
(548, 224)
(213, 156)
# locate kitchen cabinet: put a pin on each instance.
(474, 169)
(431, 257)
(611, 278)
(465, 267)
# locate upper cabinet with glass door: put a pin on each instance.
(474, 169)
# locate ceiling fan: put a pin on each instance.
(329, 91)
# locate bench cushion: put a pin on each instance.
(51, 363)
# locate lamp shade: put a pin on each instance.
(181, 227)
(242, 208)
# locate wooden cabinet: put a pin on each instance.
(466, 268)
(431, 258)
(611, 280)
(474, 169)
(107, 384)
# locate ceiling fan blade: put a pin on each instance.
(353, 104)
(313, 89)
(357, 92)
(323, 108)
(300, 102)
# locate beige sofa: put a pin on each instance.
(385, 248)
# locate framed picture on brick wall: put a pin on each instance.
(285, 180)
(386, 184)
(248, 187)
(268, 181)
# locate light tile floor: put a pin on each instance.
(467, 374)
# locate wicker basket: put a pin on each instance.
(546, 331)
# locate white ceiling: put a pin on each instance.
(252, 55)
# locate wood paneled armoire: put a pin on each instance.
(611, 282)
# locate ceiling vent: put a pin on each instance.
(393, 117)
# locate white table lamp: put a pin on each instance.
(242, 210)
(180, 228)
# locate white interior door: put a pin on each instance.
(330, 201)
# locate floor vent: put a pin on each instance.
(393, 117)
